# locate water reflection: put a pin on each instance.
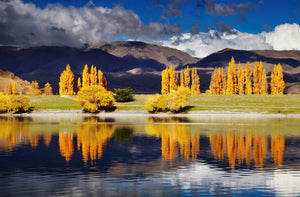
(174, 138)
(159, 156)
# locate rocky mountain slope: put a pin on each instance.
(7, 77)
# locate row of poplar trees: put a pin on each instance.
(170, 80)
(241, 82)
(94, 77)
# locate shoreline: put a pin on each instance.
(141, 114)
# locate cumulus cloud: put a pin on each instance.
(284, 37)
(25, 24)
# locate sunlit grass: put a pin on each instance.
(233, 103)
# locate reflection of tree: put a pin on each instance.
(66, 146)
(259, 150)
(13, 133)
(277, 148)
(243, 147)
(174, 136)
(47, 139)
(92, 138)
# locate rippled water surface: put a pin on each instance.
(149, 157)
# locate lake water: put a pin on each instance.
(149, 157)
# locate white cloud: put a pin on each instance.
(25, 24)
(284, 37)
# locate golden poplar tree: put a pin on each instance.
(256, 79)
(101, 79)
(34, 88)
(165, 84)
(181, 78)
(66, 82)
(241, 80)
(78, 84)
(172, 77)
(47, 89)
(9, 88)
(264, 83)
(277, 82)
(187, 77)
(93, 76)
(195, 88)
(231, 78)
(218, 81)
(248, 74)
(14, 89)
(85, 77)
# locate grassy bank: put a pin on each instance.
(235, 103)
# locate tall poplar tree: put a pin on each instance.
(66, 82)
(187, 77)
(195, 87)
(241, 80)
(78, 84)
(231, 78)
(85, 77)
(256, 78)
(277, 82)
(248, 81)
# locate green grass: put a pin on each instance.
(234, 103)
(53, 102)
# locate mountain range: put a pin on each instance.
(137, 64)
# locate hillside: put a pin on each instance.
(6, 77)
(290, 61)
(137, 64)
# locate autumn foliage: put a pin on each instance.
(241, 82)
(13, 103)
(277, 82)
(66, 82)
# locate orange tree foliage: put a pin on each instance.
(94, 98)
(218, 82)
(34, 88)
(174, 101)
(231, 78)
(260, 85)
(93, 78)
(195, 87)
(66, 82)
(248, 82)
(16, 104)
(241, 80)
(78, 84)
(168, 80)
(14, 89)
(277, 82)
(187, 77)
(48, 89)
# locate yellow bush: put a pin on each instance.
(5, 104)
(95, 97)
(179, 99)
(20, 103)
(156, 103)
(14, 103)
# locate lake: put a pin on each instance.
(149, 156)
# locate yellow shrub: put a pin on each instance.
(14, 103)
(179, 99)
(95, 97)
(20, 103)
(5, 104)
(156, 103)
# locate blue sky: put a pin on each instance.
(264, 15)
(198, 27)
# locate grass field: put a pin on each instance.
(234, 103)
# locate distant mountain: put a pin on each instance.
(136, 64)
